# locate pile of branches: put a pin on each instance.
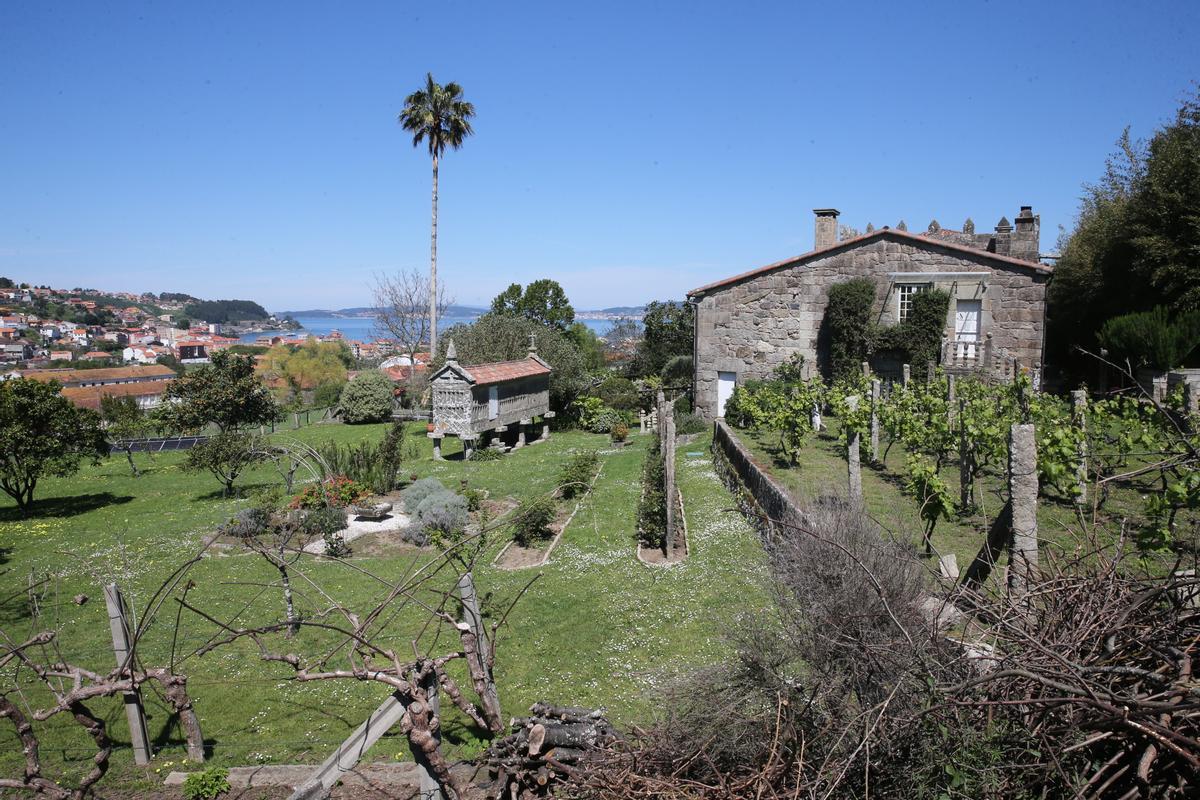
(552, 743)
(1098, 665)
(1081, 686)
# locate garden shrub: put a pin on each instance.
(619, 392)
(620, 432)
(606, 420)
(532, 518)
(678, 371)
(847, 324)
(487, 454)
(690, 423)
(576, 475)
(1152, 338)
(323, 521)
(367, 398)
(414, 494)
(247, 523)
(682, 404)
(338, 491)
(925, 326)
(336, 547)
(206, 785)
(327, 395)
(475, 498)
(652, 507)
(442, 515)
(376, 465)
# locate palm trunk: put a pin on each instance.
(433, 265)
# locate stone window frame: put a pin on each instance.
(904, 294)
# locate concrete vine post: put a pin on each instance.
(930, 370)
(951, 404)
(1023, 493)
(853, 465)
(118, 622)
(1079, 401)
(905, 375)
(876, 397)
(965, 462)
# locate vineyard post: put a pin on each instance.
(950, 400)
(1191, 399)
(1079, 401)
(816, 417)
(866, 369)
(118, 623)
(964, 459)
(930, 370)
(1022, 492)
(987, 353)
(875, 397)
(905, 375)
(853, 466)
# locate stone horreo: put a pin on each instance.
(493, 400)
(749, 324)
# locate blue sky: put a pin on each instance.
(630, 151)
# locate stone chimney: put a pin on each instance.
(827, 228)
(1003, 237)
(1025, 238)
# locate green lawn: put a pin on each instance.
(598, 628)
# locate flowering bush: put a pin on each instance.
(338, 492)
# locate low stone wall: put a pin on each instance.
(764, 501)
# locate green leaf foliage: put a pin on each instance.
(226, 393)
(1154, 338)
(846, 328)
(667, 330)
(532, 518)
(226, 455)
(42, 433)
(542, 301)
(368, 398)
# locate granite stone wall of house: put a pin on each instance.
(751, 325)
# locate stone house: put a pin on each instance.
(748, 324)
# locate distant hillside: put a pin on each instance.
(366, 311)
(225, 310)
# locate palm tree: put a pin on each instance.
(439, 116)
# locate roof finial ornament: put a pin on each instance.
(870, 228)
(969, 226)
(532, 346)
(933, 226)
(451, 355)
(902, 226)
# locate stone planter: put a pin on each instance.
(373, 511)
(620, 444)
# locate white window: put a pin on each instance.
(905, 292)
(493, 402)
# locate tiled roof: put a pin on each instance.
(501, 371)
(882, 232)
(89, 396)
(69, 376)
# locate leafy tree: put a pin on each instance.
(367, 398)
(225, 310)
(590, 348)
(124, 422)
(542, 301)
(440, 117)
(182, 323)
(310, 366)
(1135, 239)
(42, 433)
(226, 455)
(503, 337)
(226, 393)
(667, 332)
(6, 283)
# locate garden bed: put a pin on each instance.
(516, 556)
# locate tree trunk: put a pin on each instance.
(293, 623)
(433, 265)
(129, 455)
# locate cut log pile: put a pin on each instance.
(547, 746)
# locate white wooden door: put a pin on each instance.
(493, 402)
(725, 383)
(966, 328)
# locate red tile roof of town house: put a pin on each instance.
(402, 372)
(894, 233)
(141, 372)
(97, 354)
(501, 371)
(89, 396)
